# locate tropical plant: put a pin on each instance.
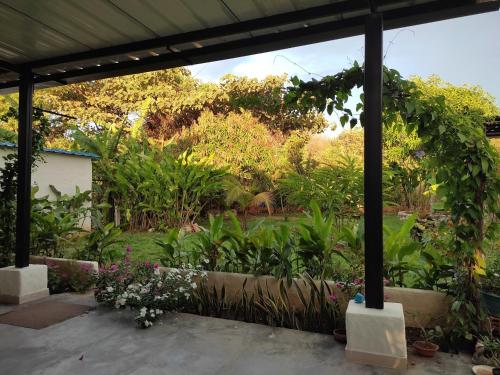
(237, 194)
(211, 242)
(459, 155)
(154, 190)
(99, 239)
(338, 189)
(317, 312)
(318, 243)
(398, 249)
(264, 250)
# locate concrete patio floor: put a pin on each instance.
(107, 342)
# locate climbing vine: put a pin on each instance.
(8, 184)
(461, 156)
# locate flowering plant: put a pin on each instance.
(69, 276)
(142, 287)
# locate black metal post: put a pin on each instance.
(24, 149)
(374, 247)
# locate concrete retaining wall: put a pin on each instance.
(43, 260)
(421, 307)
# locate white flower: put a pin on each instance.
(143, 312)
(181, 289)
(187, 295)
(193, 285)
(206, 261)
(147, 323)
(156, 271)
(110, 289)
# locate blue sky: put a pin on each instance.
(462, 50)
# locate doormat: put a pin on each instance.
(44, 314)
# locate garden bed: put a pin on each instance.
(421, 307)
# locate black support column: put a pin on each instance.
(24, 149)
(374, 251)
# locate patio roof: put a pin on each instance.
(70, 41)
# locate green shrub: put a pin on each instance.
(70, 277)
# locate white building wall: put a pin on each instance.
(64, 172)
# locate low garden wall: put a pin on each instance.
(421, 307)
(58, 261)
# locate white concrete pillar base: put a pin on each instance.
(376, 337)
(21, 285)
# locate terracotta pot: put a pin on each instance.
(425, 349)
(340, 335)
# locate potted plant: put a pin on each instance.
(349, 285)
(487, 352)
(427, 346)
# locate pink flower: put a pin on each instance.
(85, 266)
(358, 281)
(126, 260)
(129, 249)
(147, 263)
(113, 267)
(333, 297)
(156, 266)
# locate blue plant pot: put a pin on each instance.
(491, 302)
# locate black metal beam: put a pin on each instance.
(374, 247)
(24, 150)
(9, 67)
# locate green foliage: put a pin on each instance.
(337, 189)
(7, 136)
(260, 305)
(8, 184)
(211, 241)
(399, 248)
(55, 222)
(99, 240)
(143, 288)
(160, 104)
(262, 250)
(68, 277)
(460, 156)
(152, 189)
(317, 243)
(238, 142)
(294, 149)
